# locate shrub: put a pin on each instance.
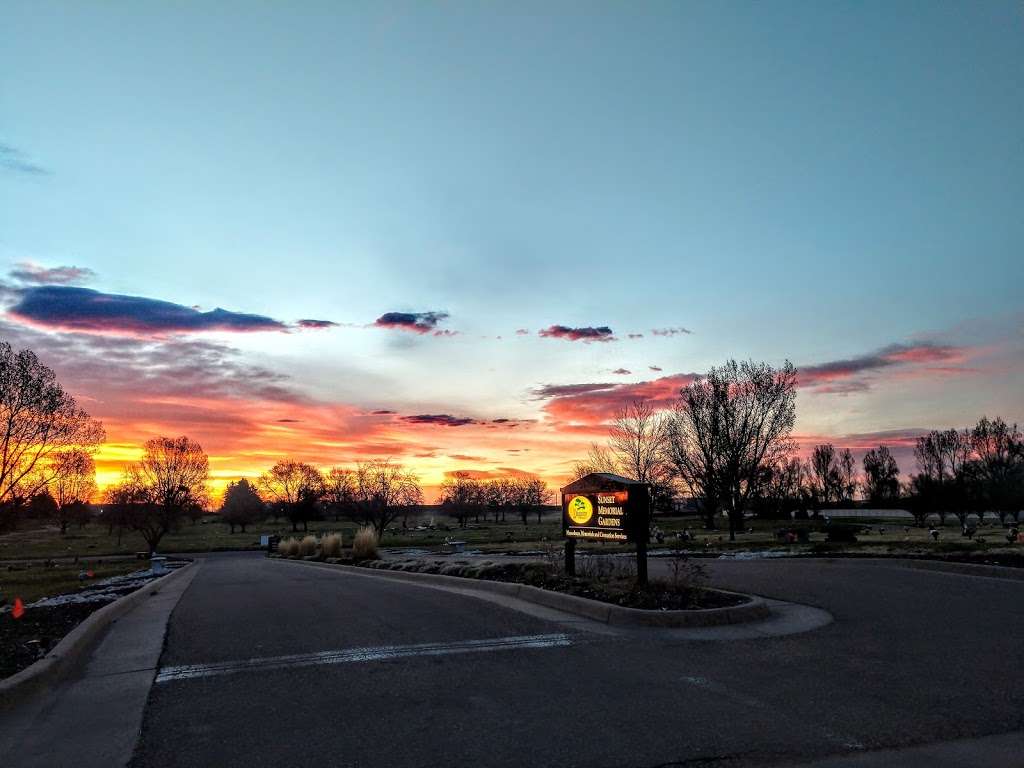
(843, 533)
(330, 545)
(364, 545)
(307, 546)
(289, 547)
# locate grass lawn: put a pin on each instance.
(93, 541)
(35, 582)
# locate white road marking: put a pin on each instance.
(351, 655)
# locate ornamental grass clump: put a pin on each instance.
(307, 546)
(364, 545)
(330, 545)
(288, 548)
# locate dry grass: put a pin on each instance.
(289, 547)
(307, 546)
(364, 545)
(330, 545)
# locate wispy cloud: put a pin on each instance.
(316, 324)
(854, 374)
(16, 161)
(622, 371)
(597, 403)
(671, 331)
(86, 310)
(29, 272)
(416, 322)
(585, 333)
(439, 419)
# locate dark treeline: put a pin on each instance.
(464, 497)
(727, 444)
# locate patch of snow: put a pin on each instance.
(757, 555)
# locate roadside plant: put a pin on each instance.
(685, 573)
(364, 545)
(289, 547)
(330, 545)
(307, 546)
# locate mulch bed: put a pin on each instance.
(617, 590)
(24, 641)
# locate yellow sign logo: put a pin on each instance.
(580, 510)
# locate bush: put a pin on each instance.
(364, 545)
(330, 545)
(843, 533)
(307, 546)
(289, 547)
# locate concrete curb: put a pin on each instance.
(76, 645)
(756, 609)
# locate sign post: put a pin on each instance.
(606, 507)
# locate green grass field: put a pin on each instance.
(93, 541)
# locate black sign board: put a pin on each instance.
(605, 507)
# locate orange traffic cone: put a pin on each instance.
(19, 608)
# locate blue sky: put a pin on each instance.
(808, 180)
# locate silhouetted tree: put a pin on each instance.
(848, 474)
(163, 487)
(637, 448)
(881, 476)
(37, 419)
(384, 490)
(242, 505)
(729, 428)
(73, 486)
(460, 494)
(294, 489)
(827, 477)
(942, 457)
(340, 491)
(999, 451)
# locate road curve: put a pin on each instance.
(328, 669)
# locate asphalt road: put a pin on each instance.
(382, 673)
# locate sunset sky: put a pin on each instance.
(462, 234)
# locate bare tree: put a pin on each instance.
(294, 489)
(242, 505)
(599, 459)
(460, 495)
(942, 459)
(163, 487)
(826, 472)
(785, 486)
(881, 476)
(384, 490)
(73, 486)
(531, 493)
(999, 449)
(729, 428)
(339, 491)
(848, 474)
(638, 448)
(37, 419)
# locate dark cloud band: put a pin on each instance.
(83, 309)
(585, 333)
(417, 322)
